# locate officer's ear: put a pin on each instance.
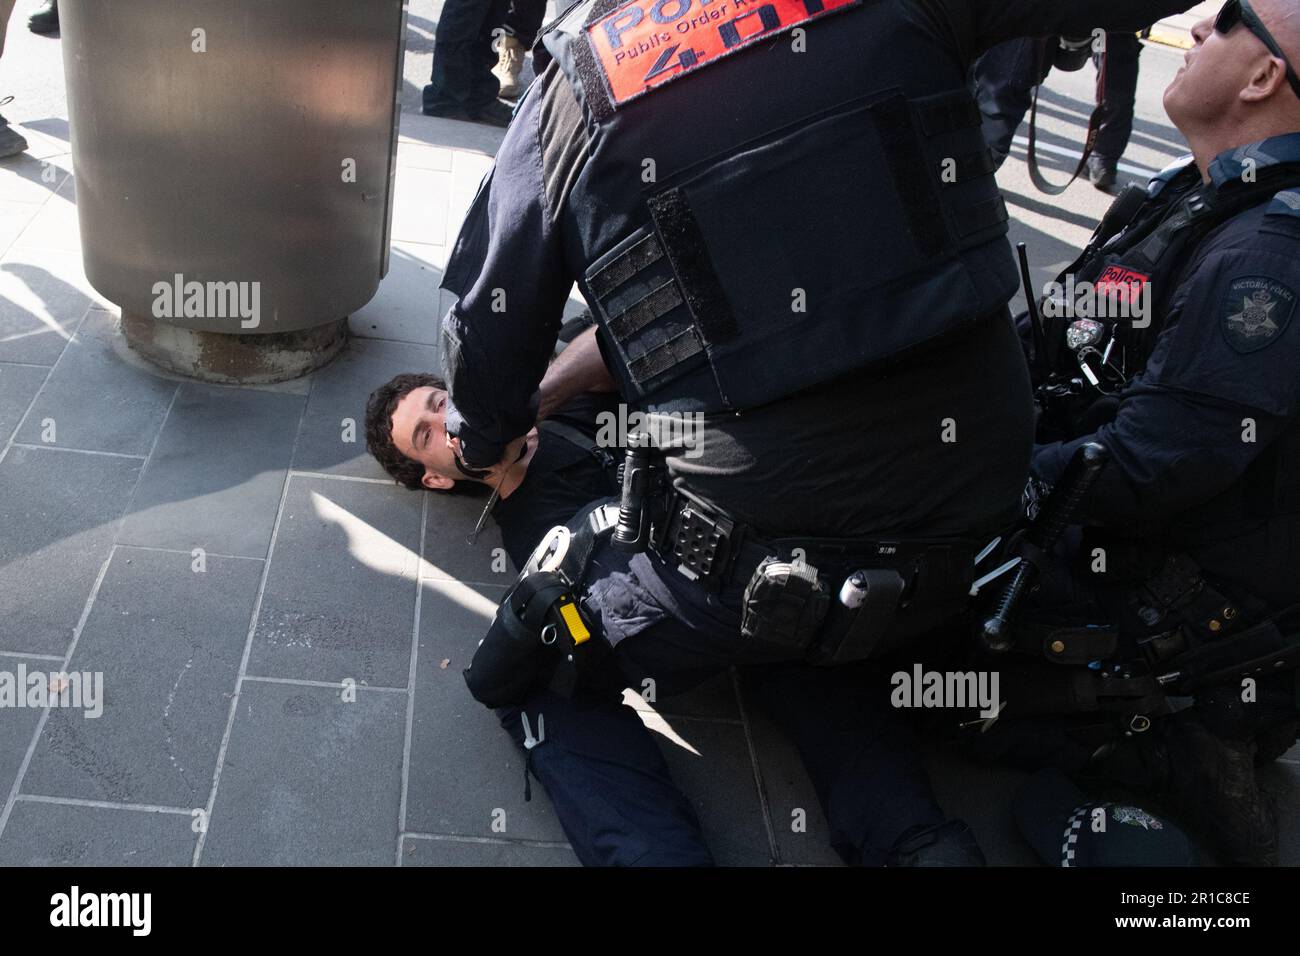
(437, 482)
(1268, 79)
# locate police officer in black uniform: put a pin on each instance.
(1189, 380)
(784, 218)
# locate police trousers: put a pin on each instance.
(608, 779)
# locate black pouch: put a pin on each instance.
(785, 603)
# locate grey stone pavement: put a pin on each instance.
(229, 735)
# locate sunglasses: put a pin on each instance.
(1239, 11)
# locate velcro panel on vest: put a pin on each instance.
(686, 248)
(637, 298)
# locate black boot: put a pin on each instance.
(949, 844)
(46, 19)
(1101, 171)
(1208, 781)
(11, 141)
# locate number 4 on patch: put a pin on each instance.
(685, 60)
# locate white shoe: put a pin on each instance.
(510, 62)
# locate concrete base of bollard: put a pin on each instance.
(247, 359)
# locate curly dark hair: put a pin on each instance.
(379, 433)
(380, 406)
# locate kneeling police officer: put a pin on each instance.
(784, 219)
(1184, 581)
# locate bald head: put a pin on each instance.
(1232, 91)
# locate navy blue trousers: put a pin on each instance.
(608, 780)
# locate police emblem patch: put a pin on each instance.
(1135, 816)
(1256, 310)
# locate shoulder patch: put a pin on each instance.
(1256, 311)
(1285, 203)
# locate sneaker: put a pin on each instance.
(11, 141)
(495, 113)
(45, 19)
(1101, 171)
(510, 61)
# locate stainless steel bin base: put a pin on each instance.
(234, 359)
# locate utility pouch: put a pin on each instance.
(852, 633)
(784, 603)
(537, 626)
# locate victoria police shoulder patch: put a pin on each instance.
(1256, 311)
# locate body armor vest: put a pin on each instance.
(777, 193)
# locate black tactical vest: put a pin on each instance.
(777, 192)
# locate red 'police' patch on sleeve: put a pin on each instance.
(646, 43)
(1124, 285)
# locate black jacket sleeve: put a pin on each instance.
(1210, 400)
(979, 24)
(508, 270)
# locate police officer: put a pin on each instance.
(1189, 381)
(784, 218)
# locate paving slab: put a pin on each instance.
(56, 225)
(417, 851)
(17, 724)
(50, 834)
(798, 823)
(60, 511)
(309, 780)
(14, 218)
(43, 298)
(97, 401)
(710, 763)
(336, 409)
(466, 773)
(446, 554)
(29, 178)
(217, 472)
(340, 595)
(407, 306)
(168, 641)
(419, 206)
(18, 386)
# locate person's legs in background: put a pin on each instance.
(521, 27)
(11, 141)
(1004, 79)
(45, 19)
(1119, 100)
(462, 85)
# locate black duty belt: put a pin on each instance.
(708, 546)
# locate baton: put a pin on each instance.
(1059, 511)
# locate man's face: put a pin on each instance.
(419, 434)
(1217, 68)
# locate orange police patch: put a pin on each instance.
(644, 44)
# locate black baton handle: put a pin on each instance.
(1059, 511)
